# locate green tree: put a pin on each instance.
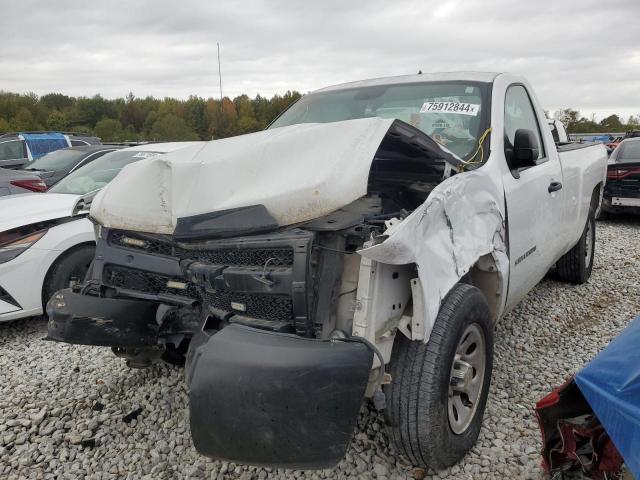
(612, 123)
(247, 121)
(110, 130)
(132, 118)
(132, 114)
(24, 121)
(172, 128)
(56, 101)
(89, 111)
(569, 117)
(195, 111)
(57, 120)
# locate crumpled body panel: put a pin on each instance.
(298, 173)
(461, 221)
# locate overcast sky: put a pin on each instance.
(577, 53)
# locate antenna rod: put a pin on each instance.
(219, 72)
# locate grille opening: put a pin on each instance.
(272, 307)
(247, 256)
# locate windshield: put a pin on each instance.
(98, 173)
(59, 160)
(452, 113)
(629, 152)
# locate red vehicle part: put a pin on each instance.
(573, 440)
(35, 185)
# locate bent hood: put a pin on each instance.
(28, 208)
(281, 176)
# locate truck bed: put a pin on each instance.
(569, 146)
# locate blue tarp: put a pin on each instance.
(596, 138)
(42, 143)
(611, 385)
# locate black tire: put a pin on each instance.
(418, 395)
(71, 264)
(575, 266)
(602, 214)
(176, 355)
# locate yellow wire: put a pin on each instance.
(480, 150)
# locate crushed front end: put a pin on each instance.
(262, 295)
(264, 314)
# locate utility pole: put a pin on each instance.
(219, 73)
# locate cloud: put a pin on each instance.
(577, 54)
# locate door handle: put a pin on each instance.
(554, 186)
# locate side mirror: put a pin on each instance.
(525, 149)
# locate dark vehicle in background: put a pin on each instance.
(622, 190)
(611, 146)
(14, 182)
(18, 148)
(56, 165)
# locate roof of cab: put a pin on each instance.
(484, 77)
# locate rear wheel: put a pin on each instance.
(575, 266)
(71, 265)
(439, 390)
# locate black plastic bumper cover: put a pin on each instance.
(106, 322)
(265, 398)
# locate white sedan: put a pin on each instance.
(47, 241)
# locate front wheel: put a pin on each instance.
(72, 265)
(439, 390)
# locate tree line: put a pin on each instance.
(169, 119)
(576, 123)
(141, 119)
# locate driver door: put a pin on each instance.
(534, 200)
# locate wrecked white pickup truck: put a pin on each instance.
(386, 221)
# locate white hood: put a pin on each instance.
(28, 208)
(298, 173)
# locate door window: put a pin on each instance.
(12, 150)
(519, 113)
(91, 158)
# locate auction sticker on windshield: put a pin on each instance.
(451, 107)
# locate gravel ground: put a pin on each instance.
(64, 409)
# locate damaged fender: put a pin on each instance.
(462, 220)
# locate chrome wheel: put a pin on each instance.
(466, 378)
(588, 244)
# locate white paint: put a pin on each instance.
(23, 277)
(461, 220)
(27, 208)
(474, 204)
(298, 173)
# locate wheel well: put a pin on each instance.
(58, 259)
(596, 197)
(485, 276)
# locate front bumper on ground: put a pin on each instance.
(266, 398)
(106, 322)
